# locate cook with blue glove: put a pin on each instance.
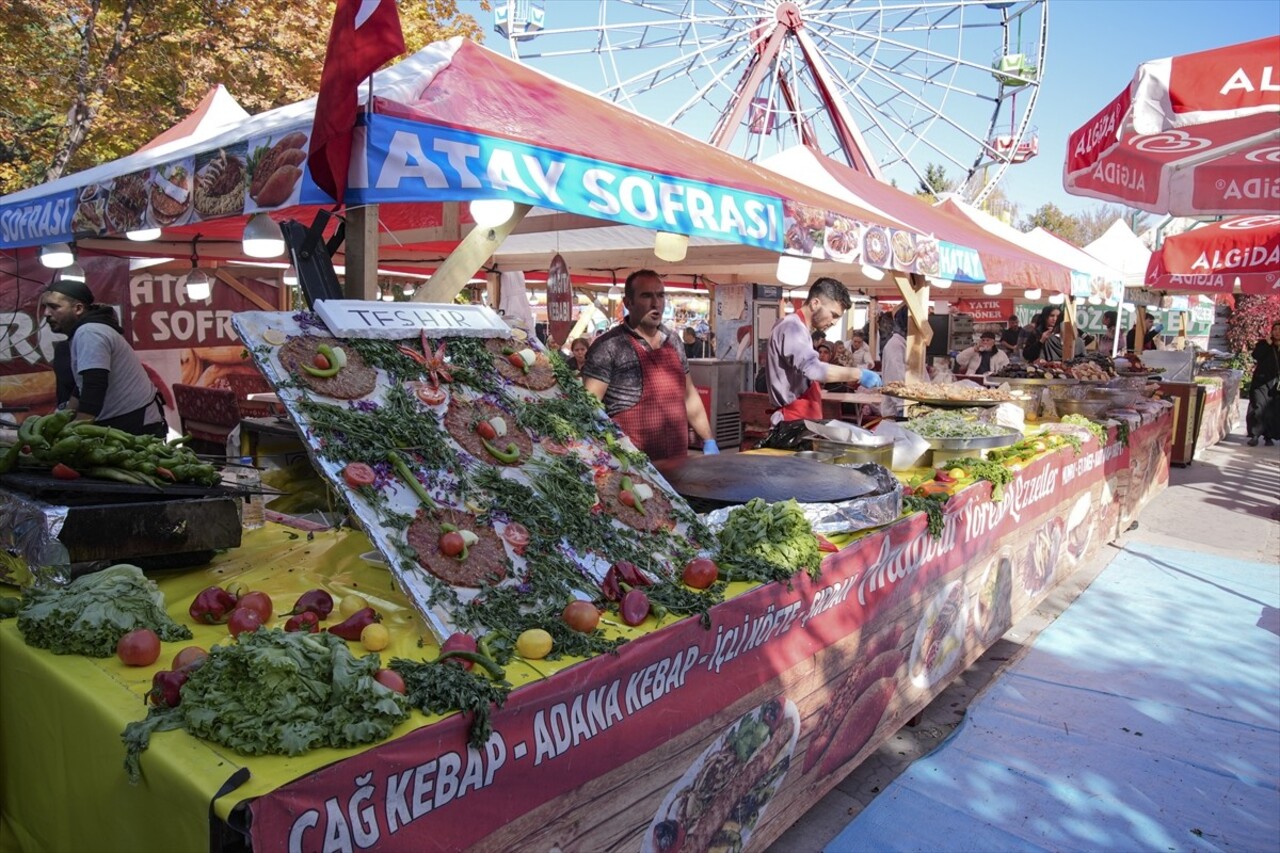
(794, 371)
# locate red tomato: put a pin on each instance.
(390, 679)
(243, 619)
(258, 602)
(460, 642)
(515, 360)
(358, 474)
(65, 472)
(139, 647)
(581, 616)
(320, 362)
(192, 657)
(432, 396)
(517, 535)
(700, 573)
(452, 544)
(626, 498)
(485, 430)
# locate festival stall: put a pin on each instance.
(716, 722)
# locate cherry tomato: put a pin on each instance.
(485, 430)
(452, 544)
(390, 679)
(139, 647)
(517, 535)
(319, 362)
(700, 573)
(358, 474)
(460, 642)
(581, 616)
(190, 658)
(515, 360)
(432, 396)
(626, 498)
(258, 602)
(243, 619)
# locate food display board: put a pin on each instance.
(446, 431)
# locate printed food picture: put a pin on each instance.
(940, 635)
(220, 182)
(490, 482)
(91, 210)
(127, 202)
(856, 706)
(275, 168)
(841, 241)
(718, 802)
(169, 197)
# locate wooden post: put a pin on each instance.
(466, 258)
(1068, 329)
(361, 278)
(915, 293)
(1139, 331)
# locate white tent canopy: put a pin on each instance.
(1120, 248)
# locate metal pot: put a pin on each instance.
(815, 456)
(879, 450)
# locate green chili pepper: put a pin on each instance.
(511, 454)
(324, 372)
(490, 666)
(402, 468)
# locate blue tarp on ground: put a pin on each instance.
(1147, 717)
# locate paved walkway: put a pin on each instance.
(1214, 536)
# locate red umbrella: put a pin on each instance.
(1192, 135)
(1215, 258)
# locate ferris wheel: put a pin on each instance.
(888, 86)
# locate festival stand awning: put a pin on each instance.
(1239, 254)
(986, 222)
(1192, 135)
(991, 256)
(1090, 277)
(1121, 249)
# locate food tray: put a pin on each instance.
(997, 381)
(948, 403)
(983, 442)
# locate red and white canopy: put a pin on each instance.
(1192, 135)
(1243, 252)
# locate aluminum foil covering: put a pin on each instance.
(28, 536)
(874, 510)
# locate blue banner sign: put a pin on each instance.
(414, 161)
(959, 263)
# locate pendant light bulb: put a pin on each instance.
(873, 273)
(992, 288)
(794, 270)
(1032, 293)
(290, 276)
(198, 286)
(491, 212)
(262, 237)
(670, 247)
(55, 256)
(143, 235)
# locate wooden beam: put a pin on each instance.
(1068, 329)
(239, 287)
(915, 293)
(361, 278)
(465, 260)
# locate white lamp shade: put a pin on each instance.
(1095, 300)
(75, 272)
(143, 235)
(794, 270)
(1057, 298)
(1032, 293)
(290, 276)
(198, 285)
(992, 288)
(873, 273)
(615, 292)
(491, 212)
(940, 283)
(407, 289)
(262, 237)
(670, 247)
(55, 256)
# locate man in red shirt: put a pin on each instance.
(639, 371)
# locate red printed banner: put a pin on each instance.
(985, 310)
(785, 691)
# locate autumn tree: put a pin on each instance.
(86, 81)
(1054, 220)
(1093, 222)
(935, 183)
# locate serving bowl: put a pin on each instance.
(1091, 409)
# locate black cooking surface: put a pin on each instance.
(89, 490)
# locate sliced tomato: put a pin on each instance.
(517, 535)
(65, 472)
(428, 394)
(627, 498)
(320, 362)
(515, 360)
(358, 474)
(485, 430)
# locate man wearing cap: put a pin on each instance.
(112, 387)
(982, 358)
(796, 371)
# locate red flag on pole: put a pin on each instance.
(365, 34)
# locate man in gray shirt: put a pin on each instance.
(795, 373)
(112, 388)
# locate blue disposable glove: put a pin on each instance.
(870, 379)
(710, 448)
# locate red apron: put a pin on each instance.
(808, 406)
(658, 424)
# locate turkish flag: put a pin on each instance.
(365, 34)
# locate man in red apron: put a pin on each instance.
(639, 371)
(795, 372)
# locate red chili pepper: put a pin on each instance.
(611, 586)
(632, 575)
(634, 607)
(212, 606)
(825, 544)
(350, 629)
(166, 687)
(316, 601)
(166, 473)
(65, 472)
(306, 621)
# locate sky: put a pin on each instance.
(1094, 47)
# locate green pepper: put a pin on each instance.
(511, 454)
(402, 468)
(324, 372)
(490, 666)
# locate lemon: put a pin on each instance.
(351, 605)
(959, 473)
(275, 337)
(533, 644)
(375, 637)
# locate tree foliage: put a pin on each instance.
(86, 81)
(935, 183)
(1093, 222)
(1251, 321)
(1054, 220)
